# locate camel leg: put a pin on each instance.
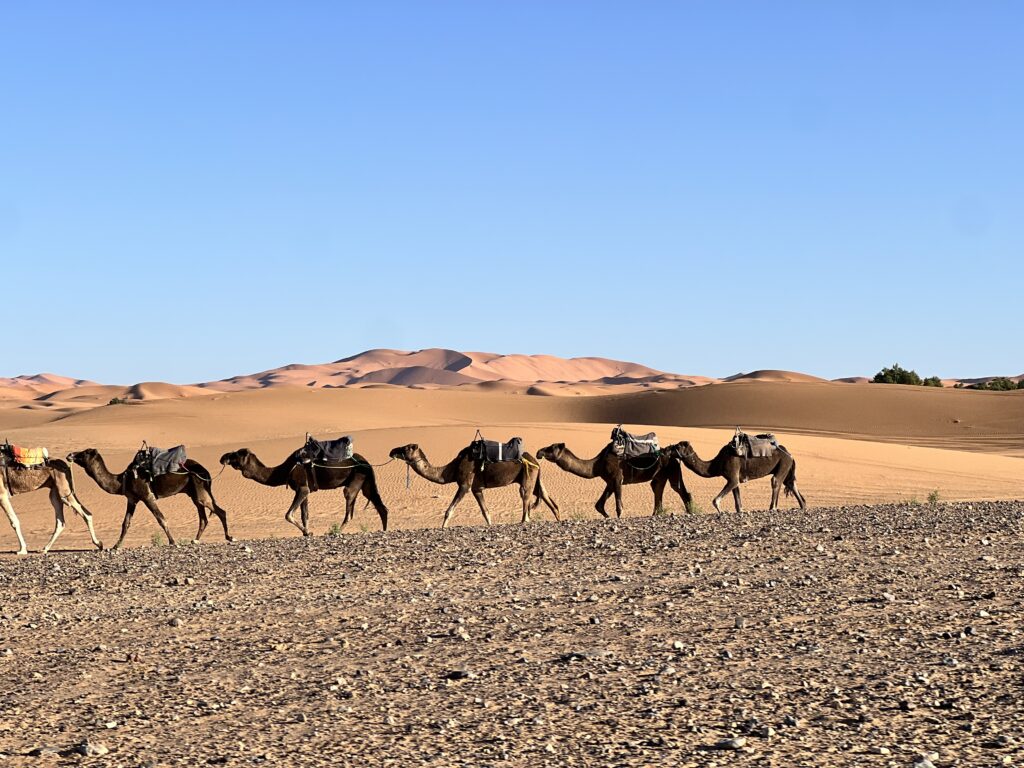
(618, 498)
(301, 494)
(599, 504)
(478, 494)
(83, 513)
(459, 494)
(204, 520)
(372, 495)
(127, 522)
(729, 486)
(150, 502)
(679, 486)
(351, 494)
(542, 494)
(658, 486)
(204, 497)
(776, 487)
(736, 498)
(58, 518)
(526, 496)
(304, 508)
(5, 502)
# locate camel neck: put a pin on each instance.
(254, 469)
(696, 464)
(105, 479)
(570, 462)
(421, 466)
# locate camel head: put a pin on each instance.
(82, 457)
(551, 452)
(406, 453)
(236, 459)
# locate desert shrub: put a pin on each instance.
(897, 374)
(157, 540)
(998, 384)
(933, 497)
(117, 401)
(335, 529)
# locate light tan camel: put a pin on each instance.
(355, 475)
(615, 471)
(55, 475)
(739, 469)
(469, 475)
(195, 483)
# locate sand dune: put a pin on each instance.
(773, 375)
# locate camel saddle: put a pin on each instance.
(23, 457)
(328, 451)
(630, 446)
(486, 451)
(154, 462)
(754, 447)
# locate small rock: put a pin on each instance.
(90, 749)
(175, 622)
(739, 742)
(461, 673)
(880, 751)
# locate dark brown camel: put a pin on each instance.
(739, 469)
(617, 472)
(195, 483)
(354, 475)
(55, 475)
(468, 474)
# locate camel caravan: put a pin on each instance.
(627, 459)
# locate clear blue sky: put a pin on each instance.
(191, 190)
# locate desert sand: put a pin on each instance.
(878, 627)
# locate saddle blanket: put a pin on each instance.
(29, 457)
(630, 446)
(330, 451)
(492, 450)
(156, 461)
(757, 447)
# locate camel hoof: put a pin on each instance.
(229, 538)
(99, 546)
(21, 552)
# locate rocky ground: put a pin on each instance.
(883, 636)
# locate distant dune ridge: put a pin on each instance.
(541, 375)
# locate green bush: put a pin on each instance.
(117, 401)
(897, 374)
(999, 384)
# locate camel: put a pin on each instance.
(195, 483)
(738, 469)
(55, 475)
(354, 476)
(616, 472)
(469, 475)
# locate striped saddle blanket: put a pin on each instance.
(26, 457)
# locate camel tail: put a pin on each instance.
(789, 484)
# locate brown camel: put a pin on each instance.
(355, 475)
(738, 469)
(617, 472)
(468, 474)
(195, 483)
(55, 475)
